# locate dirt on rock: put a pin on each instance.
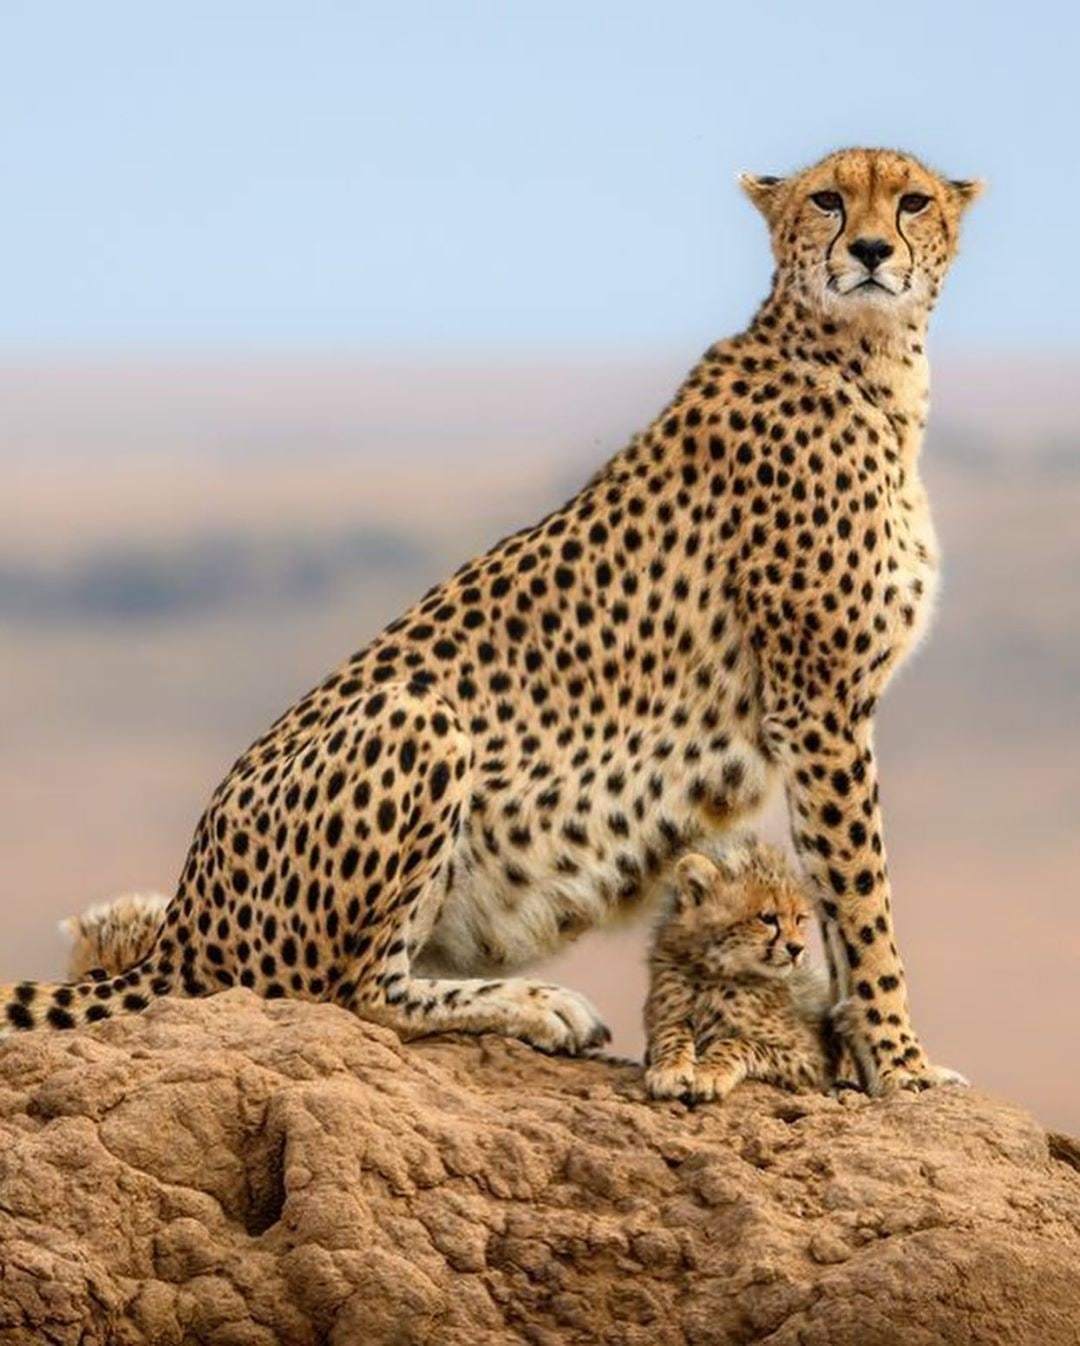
(245, 1173)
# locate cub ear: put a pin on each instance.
(763, 190)
(71, 927)
(966, 190)
(695, 878)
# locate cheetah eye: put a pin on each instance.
(801, 919)
(912, 202)
(830, 202)
(770, 918)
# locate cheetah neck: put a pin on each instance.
(882, 357)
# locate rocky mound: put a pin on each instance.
(247, 1173)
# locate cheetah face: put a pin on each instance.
(863, 234)
(746, 915)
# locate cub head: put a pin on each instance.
(864, 233)
(114, 935)
(746, 913)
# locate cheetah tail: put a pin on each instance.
(39, 1004)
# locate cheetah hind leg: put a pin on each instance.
(547, 1017)
(387, 991)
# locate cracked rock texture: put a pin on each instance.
(248, 1173)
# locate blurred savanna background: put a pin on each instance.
(304, 304)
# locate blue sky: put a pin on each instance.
(339, 176)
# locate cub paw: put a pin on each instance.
(714, 1083)
(669, 1081)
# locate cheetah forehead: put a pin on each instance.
(864, 172)
(870, 169)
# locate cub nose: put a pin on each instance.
(871, 251)
(794, 949)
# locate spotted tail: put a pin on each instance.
(98, 992)
(40, 1004)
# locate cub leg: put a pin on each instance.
(728, 1061)
(670, 1052)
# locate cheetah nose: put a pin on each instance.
(871, 251)
(794, 949)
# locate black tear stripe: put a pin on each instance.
(910, 249)
(839, 233)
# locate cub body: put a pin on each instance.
(731, 995)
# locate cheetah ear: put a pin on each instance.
(763, 190)
(966, 190)
(696, 877)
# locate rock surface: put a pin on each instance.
(247, 1173)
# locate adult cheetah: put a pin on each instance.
(525, 752)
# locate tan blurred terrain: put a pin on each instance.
(185, 548)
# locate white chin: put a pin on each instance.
(864, 297)
(873, 296)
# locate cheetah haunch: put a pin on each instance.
(524, 753)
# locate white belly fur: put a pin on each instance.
(488, 925)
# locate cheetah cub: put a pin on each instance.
(730, 994)
(114, 935)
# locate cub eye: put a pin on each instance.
(801, 919)
(770, 918)
(830, 201)
(912, 202)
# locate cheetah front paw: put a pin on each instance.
(946, 1075)
(915, 1079)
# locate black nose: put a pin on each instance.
(794, 949)
(871, 251)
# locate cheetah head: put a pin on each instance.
(864, 233)
(746, 913)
